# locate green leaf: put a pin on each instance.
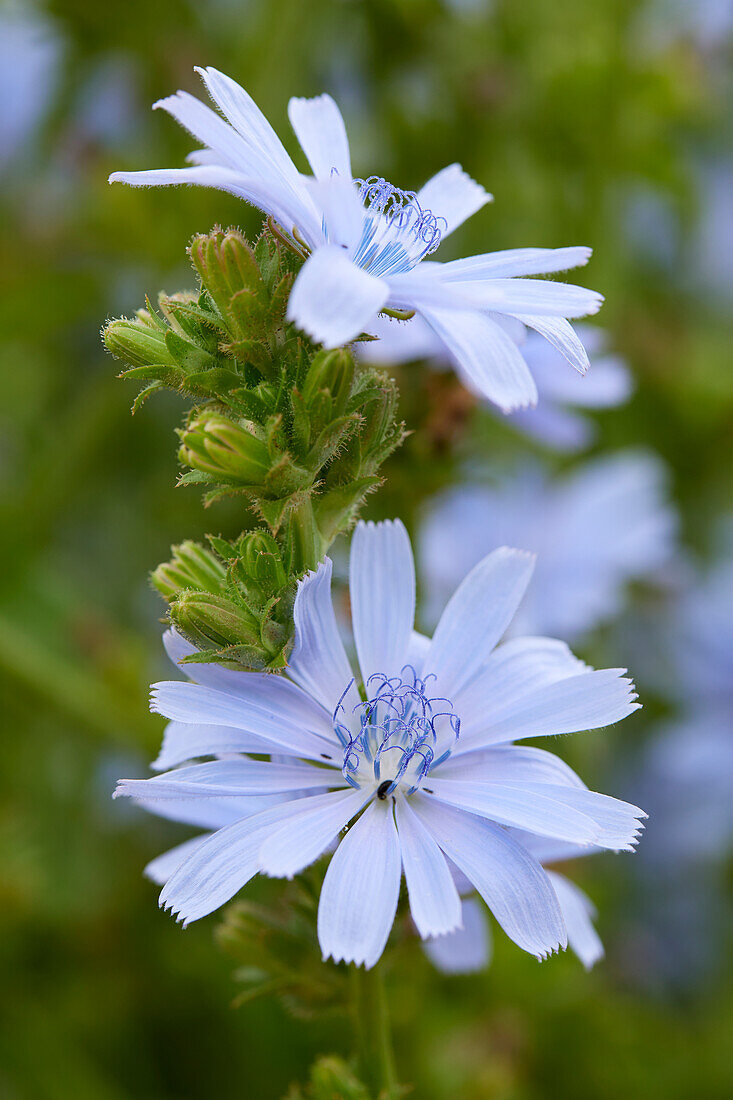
(186, 354)
(144, 394)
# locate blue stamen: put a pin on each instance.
(397, 233)
(396, 726)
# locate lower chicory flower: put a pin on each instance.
(416, 757)
(470, 947)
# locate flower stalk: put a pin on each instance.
(374, 1032)
(297, 433)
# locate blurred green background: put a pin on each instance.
(604, 123)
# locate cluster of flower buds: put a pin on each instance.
(300, 433)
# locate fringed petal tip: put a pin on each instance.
(543, 956)
(438, 935)
(515, 551)
(205, 71)
(518, 406)
(351, 958)
(459, 178)
(583, 254)
(164, 103)
(170, 909)
(595, 301)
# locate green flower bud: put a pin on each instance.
(214, 622)
(226, 265)
(140, 344)
(379, 434)
(219, 446)
(332, 371)
(261, 560)
(191, 566)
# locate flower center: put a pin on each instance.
(397, 233)
(396, 735)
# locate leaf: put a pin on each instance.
(213, 382)
(334, 509)
(329, 441)
(144, 394)
(301, 425)
(172, 377)
(195, 477)
(190, 357)
(251, 351)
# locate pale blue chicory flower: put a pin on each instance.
(368, 241)
(415, 752)
(593, 531)
(470, 947)
(558, 420)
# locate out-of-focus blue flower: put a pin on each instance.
(712, 259)
(708, 23)
(688, 764)
(420, 759)
(593, 531)
(652, 227)
(683, 774)
(107, 106)
(558, 420)
(368, 242)
(30, 54)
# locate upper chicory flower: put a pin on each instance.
(415, 751)
(367, 242)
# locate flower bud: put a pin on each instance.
(219, 446)
(191, 566)
(262, 561)
(332, 371)
(214, 622)
(226, 265)
(138, 343)
(379, 433)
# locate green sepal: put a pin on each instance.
(188, 355)
(250, 351)
(226, 550)
(285, 477)
(194, 477)
(330, 440)
(273, 512)
(213, 382)
(301, 425)
(171, 377)
(144, 394)
(335, 509)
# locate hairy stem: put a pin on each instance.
(373, 1031)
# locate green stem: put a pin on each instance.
(374, 1034)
